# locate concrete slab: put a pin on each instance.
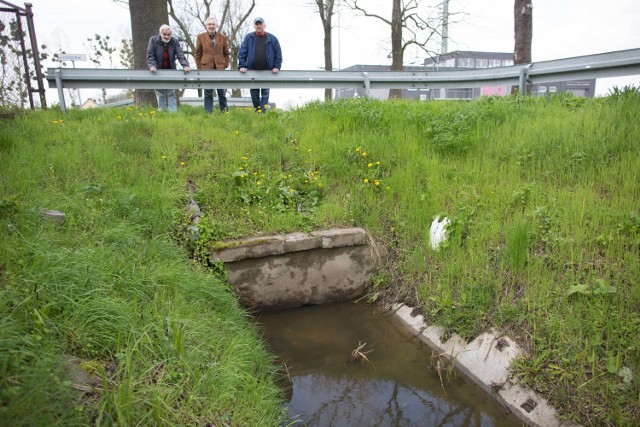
(487, 361)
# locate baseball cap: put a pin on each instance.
(258, 19)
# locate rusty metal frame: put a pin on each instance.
(28, 14)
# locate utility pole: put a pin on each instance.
(445, 27)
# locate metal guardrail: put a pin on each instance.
(611, 64)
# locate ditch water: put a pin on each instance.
(397, 386)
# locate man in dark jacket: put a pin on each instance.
(260, 51)
(162, 52)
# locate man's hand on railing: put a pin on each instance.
(152, 69)
(186, 69)
(243, 69)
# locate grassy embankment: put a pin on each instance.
(543, 195)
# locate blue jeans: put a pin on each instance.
(167, 99)
(208, 100)
(260, 103)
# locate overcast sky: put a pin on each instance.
(561, 29)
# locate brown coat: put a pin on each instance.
(210, 57)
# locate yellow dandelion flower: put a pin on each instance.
(378, 162)
(182, 163)
(164, 157)
(309, 150)
(259, 182)
(319, 184)
(377, 182)
(364, 154)
(255, 173)
(366, 180)
(388, 187)
(237, 132)
(358, 149)
(152, 112)
(291, 190)
(315, 178)
(55, 122)
(244, 157)
(119, 117)
(369, 165)
(306, 181)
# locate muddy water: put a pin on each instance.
(397, 386)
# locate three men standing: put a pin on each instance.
(212, 53)
(259, 51)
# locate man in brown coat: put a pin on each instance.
(212, 53)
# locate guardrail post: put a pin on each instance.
(524, 78)
(63, 107)
(367, 83)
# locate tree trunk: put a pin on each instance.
(328, 61)
(396, 44)
(523, 33)
(325, 8)
(146, 18)
(523, 29)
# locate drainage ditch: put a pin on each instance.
(347, 364)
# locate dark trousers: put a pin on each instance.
(260, 101)
(208, 100)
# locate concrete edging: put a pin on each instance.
(486, 360)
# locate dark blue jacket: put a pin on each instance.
(155, 50)
(247, 52)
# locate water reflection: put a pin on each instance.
(398, 387)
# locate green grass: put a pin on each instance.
(543, 197)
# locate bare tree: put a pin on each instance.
(233, 19)
(146, 18)
(326, 11)
(101, 49)
(412, 23)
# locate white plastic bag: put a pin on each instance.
(438, 232)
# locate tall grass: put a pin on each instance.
(111, 286)
(542, 195)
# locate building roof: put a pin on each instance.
(472, 54)
(362, 67)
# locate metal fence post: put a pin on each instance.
(367, 83)
(63, 107)
(524, 78)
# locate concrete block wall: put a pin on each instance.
(298, 269)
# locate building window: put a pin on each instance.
(553, 89)
(465, 93)
(482, 63)
(507, 62)
(465, 62)
(449, 63)
(493, 63)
